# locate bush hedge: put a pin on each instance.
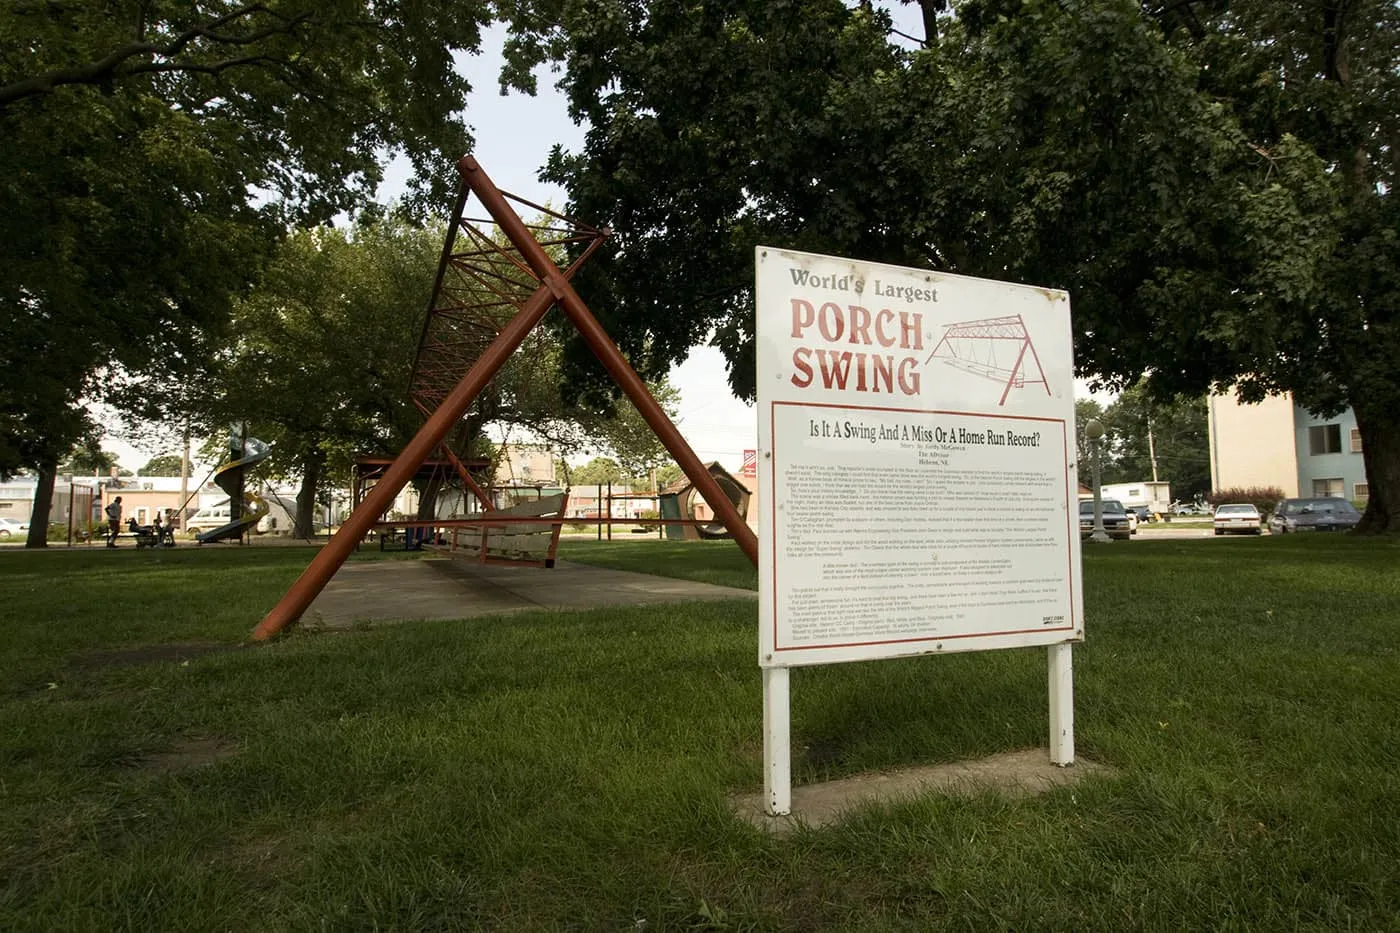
(1263, 498)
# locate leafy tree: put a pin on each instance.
(324, 344)
(87, 458)
(163, 465)
(1086, 410)
(630, 439)
(318, 365)
(1212, 182)
(163, 147)
(1179, 439)
(1315, 90)
(667, 474)
(598, 471)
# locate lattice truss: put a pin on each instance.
(482, 283)
(995, 348)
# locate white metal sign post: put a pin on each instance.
(916, 469)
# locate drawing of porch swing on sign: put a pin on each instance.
(985, 347)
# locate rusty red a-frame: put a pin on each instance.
(500, 270)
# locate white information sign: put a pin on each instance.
(916, 463)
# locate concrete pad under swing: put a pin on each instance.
(1025, 773)
(444, 588)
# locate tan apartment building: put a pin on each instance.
(1277, 442)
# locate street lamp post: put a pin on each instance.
(1094, 432)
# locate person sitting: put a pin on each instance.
(165, 534)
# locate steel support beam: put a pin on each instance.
(608, 354)
(555, 288)
(329, 559)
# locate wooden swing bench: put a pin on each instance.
(529, 544)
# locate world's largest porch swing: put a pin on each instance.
(552, 287)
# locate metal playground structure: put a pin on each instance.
(495, 283)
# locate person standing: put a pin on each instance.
(114, 520)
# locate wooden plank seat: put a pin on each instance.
(533, 544)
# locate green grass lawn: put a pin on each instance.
(570, 771)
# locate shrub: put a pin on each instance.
(1263, 498)
(58, 531)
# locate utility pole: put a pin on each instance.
(1151, 450)
(184, 479)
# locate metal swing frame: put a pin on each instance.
(525, 256)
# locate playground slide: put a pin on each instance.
(229, 478)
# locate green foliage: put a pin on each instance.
(599, 470)
(1213, 183)
(163, 147)
(667, 474)
(1178, 439)
(321, 350)
(163, 465)
(629, 438)
(87, 458)
(1263, 498)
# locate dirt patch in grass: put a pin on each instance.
(1021, 773)
(145, 654)
(187, 753)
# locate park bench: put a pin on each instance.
(513, 542)
(407, 539)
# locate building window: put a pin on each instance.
(1356, 440)
(1363, 491)
(1329, 488)
(1325, 439)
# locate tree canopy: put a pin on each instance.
(163, 465)
(1211, 181)
(320, 352)
(164, 146)
(1148, 439)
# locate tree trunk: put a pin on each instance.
(930, 10)
(312, 462)
(43, 504)
(1380, 449)
(428, 496)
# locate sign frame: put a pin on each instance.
(883, 406)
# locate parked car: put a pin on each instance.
(1115, 519)
(208, 518)
(10, 527)
(1240, 517)
(1293, 515)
